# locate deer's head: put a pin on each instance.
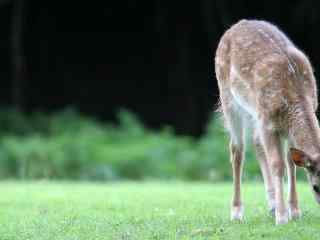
(311, 166)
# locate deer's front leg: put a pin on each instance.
(294, 211)
(266, 172)
(272, 146)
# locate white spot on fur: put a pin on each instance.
(244, 69)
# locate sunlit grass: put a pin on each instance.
(152, 210)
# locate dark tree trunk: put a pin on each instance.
(224, 13)
(208, 21)
(17, 52)
(162, 54)
(183, 84)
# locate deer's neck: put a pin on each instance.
(304, 131)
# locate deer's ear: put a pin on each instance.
(300, 158)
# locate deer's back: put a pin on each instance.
(260, 67)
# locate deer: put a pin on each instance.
(268, 92)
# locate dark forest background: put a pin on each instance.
(154, 57)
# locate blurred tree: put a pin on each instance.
(19, 67)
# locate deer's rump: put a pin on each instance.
(261, 70)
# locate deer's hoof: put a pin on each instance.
(294, 213)
(237, 213)
(281, 219)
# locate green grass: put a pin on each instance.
(152, 210)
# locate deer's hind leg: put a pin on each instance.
(234, 124)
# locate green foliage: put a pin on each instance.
(68, 145)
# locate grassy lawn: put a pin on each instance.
(63, 210)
